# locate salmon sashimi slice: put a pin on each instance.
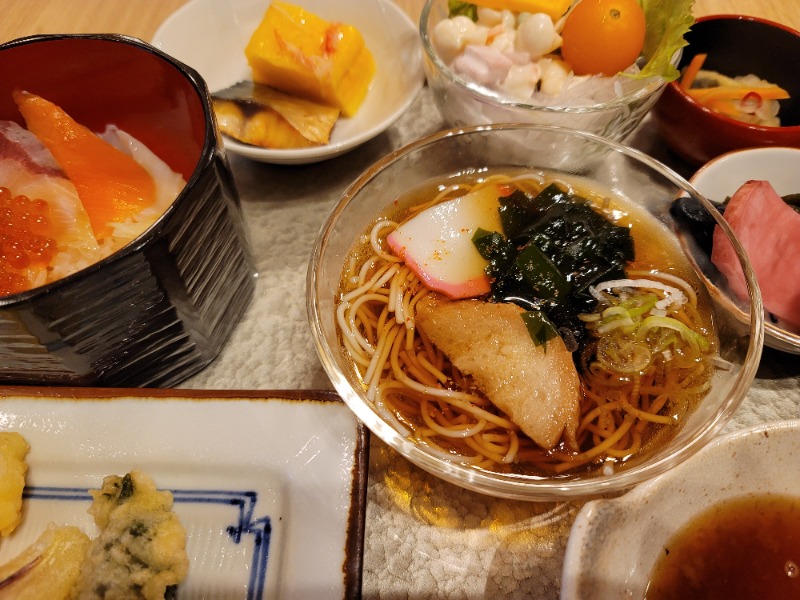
(769, 231)
(169, 184)
(47, 233)
(112, 186)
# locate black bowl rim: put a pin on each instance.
(210, 146)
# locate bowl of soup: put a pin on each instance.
(125, 260)
(511, 308)
(731, 95)
(554, 64)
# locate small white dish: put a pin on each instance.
(614, 544)
(210, 36)
(270, 489)
(719, 179)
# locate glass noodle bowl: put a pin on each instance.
(613, 110)
(591, 162)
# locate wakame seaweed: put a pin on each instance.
(555, 246)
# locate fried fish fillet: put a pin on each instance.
(537, 386)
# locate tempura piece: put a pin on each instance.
(537, 386)
(13, 468)
(141, 549)
(48, 568)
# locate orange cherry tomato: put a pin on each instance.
(603, 37)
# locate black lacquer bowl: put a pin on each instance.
(162, 307)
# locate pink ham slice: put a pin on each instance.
(769, 231)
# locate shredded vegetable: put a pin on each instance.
(746, 98)
(637, 322)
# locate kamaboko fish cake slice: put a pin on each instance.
(44, 229)
(112, 186)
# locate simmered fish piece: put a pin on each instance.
(262, 116)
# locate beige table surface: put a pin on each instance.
(141, 18)
(424, 538)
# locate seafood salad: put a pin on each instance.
(541, 52)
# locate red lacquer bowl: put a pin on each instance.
(736, 45)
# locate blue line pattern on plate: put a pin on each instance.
(243, 501)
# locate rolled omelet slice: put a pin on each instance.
(537, 386)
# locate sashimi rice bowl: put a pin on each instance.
(593, 65)
(509, 307)
(116, 207)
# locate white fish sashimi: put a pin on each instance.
(28, 168)
(168, 183)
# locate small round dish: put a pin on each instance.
(718, 179)
(614, 544)
(211, 37)
(696, 133)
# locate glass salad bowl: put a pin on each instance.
(611, 107)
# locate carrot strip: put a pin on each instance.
(725, 107)
(691, 71)
(707, 95)
(703, 95)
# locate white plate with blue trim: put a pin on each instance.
(270, 487)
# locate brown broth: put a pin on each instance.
(655, 248)
(745, 548)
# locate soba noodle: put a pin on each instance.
(415, 387)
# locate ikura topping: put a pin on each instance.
(26, 239)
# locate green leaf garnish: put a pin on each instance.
(456, 8)
(667, 24)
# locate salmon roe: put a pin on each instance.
(26, 240)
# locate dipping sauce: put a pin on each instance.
(744, 548)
